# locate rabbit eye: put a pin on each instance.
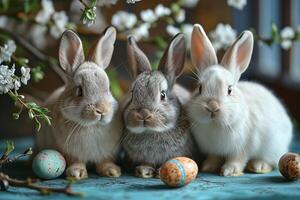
(79, 91)
(229, 89)
(163, 95)
(200, 88)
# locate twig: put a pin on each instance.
(4, 159)
(83, 3)
(29, 183)
(36, 53)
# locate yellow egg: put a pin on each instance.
(178, 171)
(289, 166)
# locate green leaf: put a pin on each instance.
(275, 33)
(30, 114)
(114, 83)
(160, 42)
(37, 74)
(175, 8)
(28, 151)
(30, 5)
(4, 5)
(22, 61)
(32, 105)
(9, 146)
(71, 180)
(45, 192)
(38, 125)
(16, 116)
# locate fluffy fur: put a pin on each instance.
(156, 128)
(235, 123)
(84, 128)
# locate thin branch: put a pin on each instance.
(30, 183)
(36, 53)
(83, 3)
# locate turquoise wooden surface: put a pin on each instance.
(206, 186)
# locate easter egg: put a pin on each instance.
(289, 166)
(48, 164)
(178, 171)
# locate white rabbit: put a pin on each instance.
(237, 124)
(84, 128)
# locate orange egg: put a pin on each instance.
(178, 171)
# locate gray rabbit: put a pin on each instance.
(155, 125)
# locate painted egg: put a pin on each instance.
(289, 166)
(48, 164)
(178, 171)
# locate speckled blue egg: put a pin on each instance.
(48, 164)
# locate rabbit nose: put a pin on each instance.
(212, 106)
(146, 114)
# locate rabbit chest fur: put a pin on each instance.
(156, 148)
(84, 143)
(260, 132)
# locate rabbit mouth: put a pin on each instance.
(145, 127)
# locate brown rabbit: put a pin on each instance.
(84, 128)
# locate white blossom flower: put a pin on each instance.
(190, 3)
(60, 21)
(187, 32)
(287, 34)
(161, 11)
(238, 4)
(7, 50)
(3, 21)
(223, 36)
(17, 85)
(180, 17)
(25, 71)
(286, 44)
(45, 13)
(132, 1)
(7, 81)
(148, 16)
(172, 30)
(106, 2)
(123, 20)
(142, 31)
(37, 35)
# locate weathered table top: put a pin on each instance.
(206, 186)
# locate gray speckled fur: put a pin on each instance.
(153, 147)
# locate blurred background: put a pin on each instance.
(35, 27)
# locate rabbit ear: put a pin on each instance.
(102, 51)
(202, 52)
(238, 56)
(70, 51)
(137, 60)
(172, 62)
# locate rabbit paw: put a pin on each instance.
(211, 165)
(259, 166)
(231, 170)
(77, 171)
(108, 169)
(144, 171)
